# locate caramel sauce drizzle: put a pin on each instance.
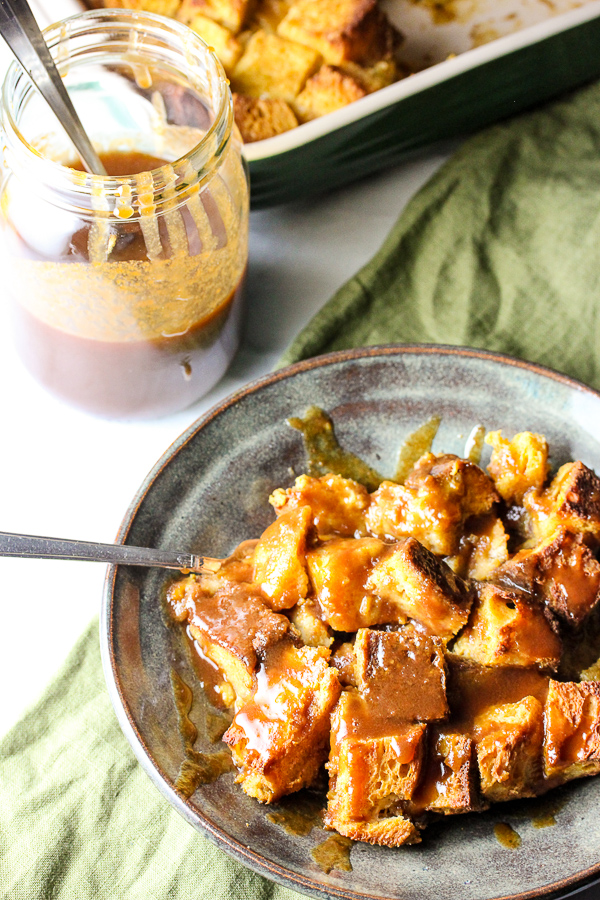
(415, 445)
(333, 853)
(197, 768)
(325, 454)
(507, 836)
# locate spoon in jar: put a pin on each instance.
(22, 34)
(33, 547)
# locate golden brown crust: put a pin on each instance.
(325, 91)
(561, 571)
(341, 30)
(422, 587)
(434, 503)
(279, 559)
(509, 741)
(279, 738)
(263, 118)
(338, 505)
(273, 67)
(507, 629)
(572, 740)
(518, 465)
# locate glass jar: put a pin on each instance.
(126, 291)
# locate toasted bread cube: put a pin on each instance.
(343, 659)
(232, 14)
(509, 741)
(268, 14)
(233, 627)
(273, 67)
(221, 39)
(280, 737)
(439, 495)
(261, 119)
(487, 543)
(279, 559)
(327, 90)
(507, 629)
(422, 587)
(561, 571)
(401, 674)
(341, 30)
(370, 773)
(449, 780)
(572, 501)
(372, 78)
(312, 630)
(572, 742)
(339, 571)
(338, 505)
(519, 464)
(162, 7)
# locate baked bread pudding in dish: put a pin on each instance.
(432, 643)
(290, 61)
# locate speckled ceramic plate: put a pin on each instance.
(210, 491)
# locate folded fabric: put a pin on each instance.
(500, 250)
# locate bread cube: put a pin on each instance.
(370, 774)
(518, 465)
(233, 627)
(572, 741)
(279, 738)
(341, 30)
(268, 14)
(338, 505)
(221, 39)
(508, 629)
(421, 587)
(312, 630)
(162, 7)
(343, 659)
(274, 67)
(232, 14)
(572, 501)
(339, 571)
(401, 675)
(261, 119)
(279, 559)
(449, 781)
(485, 547)
(509, 741)
(560, 571)
(375, 77)
(439, 495)
(325, 91)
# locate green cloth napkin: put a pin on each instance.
(500, 250)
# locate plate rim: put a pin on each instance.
(195, 817)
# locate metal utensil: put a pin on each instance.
(20, 31)
(33, 547)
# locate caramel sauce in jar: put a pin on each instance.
(126, 289)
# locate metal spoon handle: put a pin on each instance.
(33, 547)
(20, 31)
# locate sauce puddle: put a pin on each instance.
(333, 853)
(197, 768)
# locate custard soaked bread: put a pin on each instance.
(432, 645)
(289, 62)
